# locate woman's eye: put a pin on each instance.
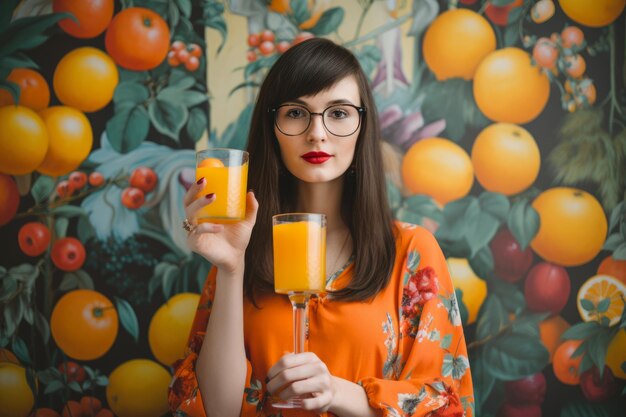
(338, 113)
(295, 113)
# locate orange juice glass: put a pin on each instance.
(299, 244)
(226, 174)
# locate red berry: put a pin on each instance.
(267, 36)
(192, 63)
(302, 36)
(96, 179)
(72, 371)
(499, 15)
(172, 58)
(68, 254)
(33, 238)
(182, 55)
(195, 50)
(282, 46)
(177, 45)
(267, 48)
(144, 178)
(251, 56)
(572, 36)
(91, 405)
(78, 179)
(133, 198)
(254, 40)
(547, 288)
(65, 189)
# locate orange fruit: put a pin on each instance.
(71, 138)
(613, 267)
(84, 324)
(84, 70)
(137, 39)
(170, 326)
(10, 198)
(138, 388)
(550, 331)
(439, 168)
(575, 65)
(595, 13)
(598, 288)
(93, 16)
(572, 227)
(23, 140)
(506, 158)
(616, 354)
(456, 42)
(508, 88)
(211, 163)
(474, 288)
(565, 367)
(16, 397)
(279, 6)
(34, 90)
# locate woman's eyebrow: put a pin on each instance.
(330, 103)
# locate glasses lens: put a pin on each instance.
(339, 120)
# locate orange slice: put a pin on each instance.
(597, 289)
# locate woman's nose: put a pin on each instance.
(317, 130)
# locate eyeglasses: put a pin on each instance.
(339, 120)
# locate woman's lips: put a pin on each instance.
(316, 157)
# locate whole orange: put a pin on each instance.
(93, 16)
(550, 331)
(565, 366)
(10, 198)
(572, 227)
(456, 42)
(138, 388)
(595, 13)
(439, 168)
(138, 39)
(508, 88)
(613, 267)
(71, 138)
(34, 90)
(170, 326)
(83, 70)
(16, 397)
(84, 324)
(506, 158)
(23, 140)
(616, 354)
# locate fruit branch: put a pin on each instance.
(481, 342)
(382, 29)
(366, 9)
(614, 105)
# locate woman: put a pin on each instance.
(386, 339)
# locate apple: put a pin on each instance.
(547, 288)
(596, 389)
(530, 390)
(510, 262)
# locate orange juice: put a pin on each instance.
(229, 185)
(299, 257)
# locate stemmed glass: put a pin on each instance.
(299, 243)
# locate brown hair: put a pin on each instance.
(306, 69)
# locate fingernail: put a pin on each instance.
(200, 181)
(209, 196)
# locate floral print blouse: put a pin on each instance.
(405, 347)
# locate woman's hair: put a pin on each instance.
(307, 69)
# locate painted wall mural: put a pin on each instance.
(504, 133)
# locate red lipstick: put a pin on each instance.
(316, 157)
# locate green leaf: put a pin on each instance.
(42, 188)
(53, 387)
(193, 98)
(168, 117)
(481, 227)
(616, 215)
(12, 88)
(128, 318)
(613, 242)
(492, 318)
(329, 21)
(453, 225)
(76, 279)
(581, 331)
(27, 33)
(74, 386)
(6, 12)
(587, 304)
(42, 326)
(17, 60)
(501, 3)
(20, 350)
(168, 279)
(197, 124)
(185, 7)
(254, 67)
(523, 222)
(243, 85)
(620, 252)
(603, 305)
(213, 17)
(69, 211)
(101, 381)
(129, 75)
(300, 10)
(60, 226)
(515, 301)
(482, 263)
(512, 356)
(130, 93)
(128, 128)
(597, 347)
(495, 204)
(511, 32)
(369, 56)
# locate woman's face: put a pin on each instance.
(317, 155)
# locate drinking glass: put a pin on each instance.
(299, 243)
(226, 174)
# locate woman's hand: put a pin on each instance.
(303, 375)
(224, 245)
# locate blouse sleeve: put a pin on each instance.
(184, 395)
(428, 372)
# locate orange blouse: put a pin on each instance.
(405, 347)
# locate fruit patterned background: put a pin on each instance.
(505, 134)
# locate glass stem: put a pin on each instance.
(299, 302)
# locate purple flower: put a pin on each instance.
(404, 130)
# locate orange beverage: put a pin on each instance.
(299, 255)
(226, 174)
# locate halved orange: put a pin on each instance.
(598, 288)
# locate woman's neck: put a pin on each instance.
(323, 198)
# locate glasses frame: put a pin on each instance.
(361, 111)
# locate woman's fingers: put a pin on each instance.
(208, 228)
(193, 191)
(198, 204)
(252, 207)
(316, 384)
